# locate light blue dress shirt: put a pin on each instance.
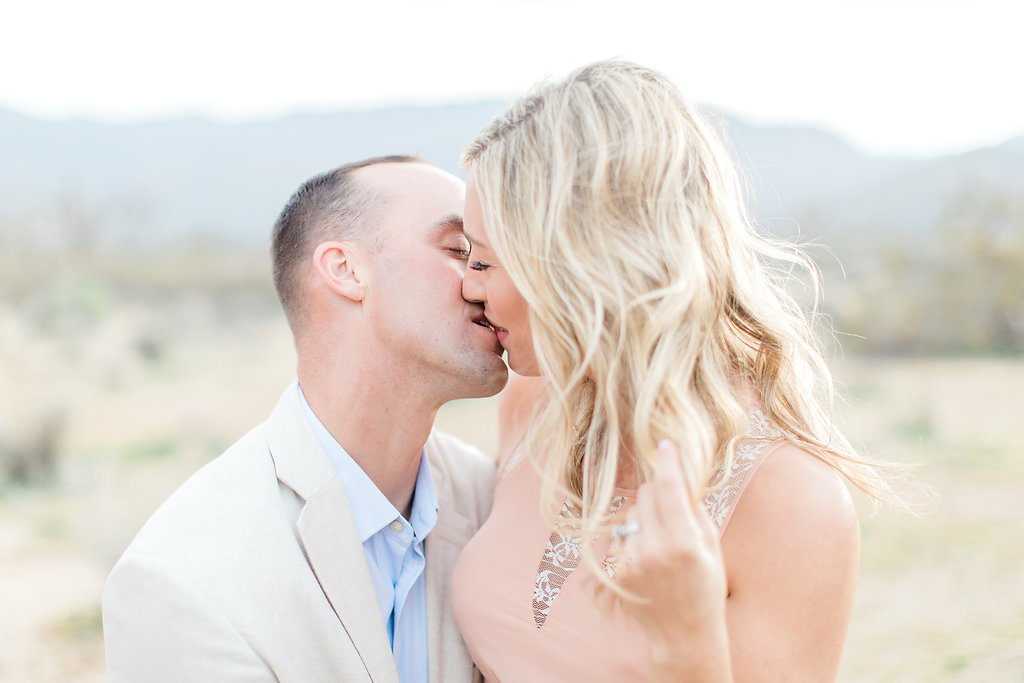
(394, 550)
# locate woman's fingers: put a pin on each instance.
(644, 517)
(672, 562)
(672, 491)
(678, 479)
(667, 531)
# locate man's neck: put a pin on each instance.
(383, 430)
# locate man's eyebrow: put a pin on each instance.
(449, 223)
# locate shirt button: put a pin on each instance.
(397, 526)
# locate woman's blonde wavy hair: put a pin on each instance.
(657, 309)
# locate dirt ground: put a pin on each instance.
(940, 598)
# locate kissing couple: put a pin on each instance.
(668, 501)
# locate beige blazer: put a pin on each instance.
(253, 571)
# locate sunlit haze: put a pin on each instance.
(894, 77)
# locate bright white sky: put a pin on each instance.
(917, 77)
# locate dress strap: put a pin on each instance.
(752, 449)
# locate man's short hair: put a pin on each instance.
(328, 206)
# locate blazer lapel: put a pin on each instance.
(445, 647)
(328, 535)
(332, 546)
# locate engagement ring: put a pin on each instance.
(623, 530)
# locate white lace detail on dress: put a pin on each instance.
(564, 550)
(720, 500)
(561, 557)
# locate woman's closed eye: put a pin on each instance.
(478, 265)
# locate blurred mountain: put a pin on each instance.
(195, 178)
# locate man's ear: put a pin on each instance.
(339, 266)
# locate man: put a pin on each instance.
(319, 547)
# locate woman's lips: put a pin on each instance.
(501, 332)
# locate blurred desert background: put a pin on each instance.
(140, 336)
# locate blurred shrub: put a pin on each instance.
(29, 452)
(82, 625)
(68, 265)
(959, 291)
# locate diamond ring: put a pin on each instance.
(623, 530)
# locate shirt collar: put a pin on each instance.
(371, 510)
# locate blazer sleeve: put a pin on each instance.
(158, 628)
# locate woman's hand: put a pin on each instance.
(674, 565)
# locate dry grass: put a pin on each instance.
(940, 598)
(148, 397)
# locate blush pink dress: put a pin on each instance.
(524, 598)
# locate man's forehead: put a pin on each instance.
(414, 195)
(404, 178)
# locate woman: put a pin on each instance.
(675, 450)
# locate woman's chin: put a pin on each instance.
(527, 367)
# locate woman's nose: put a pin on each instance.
(472, 289)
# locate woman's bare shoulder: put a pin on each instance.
(796, 508)
(791, 554)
